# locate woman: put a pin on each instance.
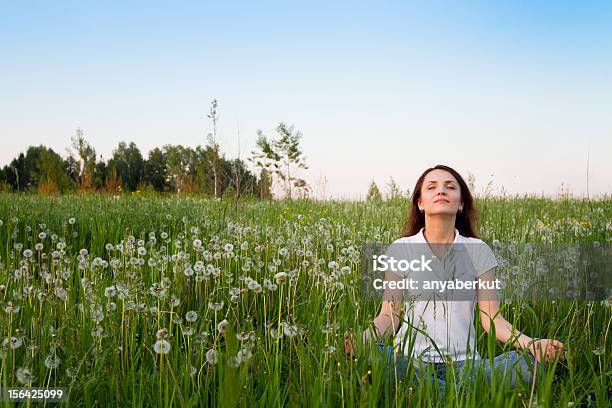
(443, 213)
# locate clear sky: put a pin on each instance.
(515, 93)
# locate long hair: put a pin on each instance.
(465, 221)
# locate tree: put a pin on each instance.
(17, 173)
(373, 193)
(201, 171)
(129, 164)
(178, 165)
(88, 160)
(72, 167)
(38, 166)
(282, 157)
(113, 182)
(265, 185)
(155, 172)
(238, 179)
(100, 173)
(50, 173)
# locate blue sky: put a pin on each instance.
(514, 93)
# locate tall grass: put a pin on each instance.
(274, 285)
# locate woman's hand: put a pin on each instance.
(546, 349)
(349, 344)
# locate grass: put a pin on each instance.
(276, 346)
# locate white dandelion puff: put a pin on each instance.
(97, 332)
(216, 306)
(290, 330)
(276, 333)
(161, 347)
(280, 277)
(244, 354)
(329, 349)
(191, 316)
(243, 336)
(13, 342)
(253, 284)
(212, 356)
(25, 376)
(161, 334)
(222, 326)
(110, 291)
(97, 315)
(52, 362)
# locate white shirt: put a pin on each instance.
(450, 324)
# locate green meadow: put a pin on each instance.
(164, 301)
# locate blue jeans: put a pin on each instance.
(508, 367)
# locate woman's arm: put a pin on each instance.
(488, 304)
(388, 320)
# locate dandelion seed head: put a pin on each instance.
(280, 277)
(222, 326)
(216, 306)
(161, 347)
(11, 309)
(24, 376)
(212, 356)
(52, 362)
(290, 330)
(12, 342)
(329, 349)
(243, 336)
(110, 291)
(244, 354)
(191, 316)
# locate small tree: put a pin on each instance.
(265, 185)
(282, 157)
(113, 181)
(87, 164)
(373, 193)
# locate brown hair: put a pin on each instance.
(465, 221)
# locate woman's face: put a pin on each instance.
(440, 193)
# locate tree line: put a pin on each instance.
(170, 168)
